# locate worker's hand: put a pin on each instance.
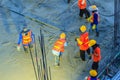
(18, 47)
(86, 78)
(76, 39)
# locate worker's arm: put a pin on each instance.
(65, 44)
(20, 38)
(79, 3)
(19, 41)
(79, 42)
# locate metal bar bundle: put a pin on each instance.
(33, 63)
(44, 60)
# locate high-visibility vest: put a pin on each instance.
(84, 38)
(80, 5)
(59, 45)
(26, 39)
(96, 56)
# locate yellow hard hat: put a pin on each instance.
(83, 28)
(62, 35)
(92, 42)
(94, 7)
(93, 73)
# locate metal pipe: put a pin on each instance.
(33, 63)
(36, 55)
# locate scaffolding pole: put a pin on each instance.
(116, 22)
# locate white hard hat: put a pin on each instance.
(93, 8)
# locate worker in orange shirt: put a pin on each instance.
(82, 6)
(82, 42)
(58, 48)
(93, 75)
(96, 54)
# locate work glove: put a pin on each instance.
(94, 27)
(89, 19)
(76, 38)
(18, 47)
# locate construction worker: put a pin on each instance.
(96, 54)
(94, 19)
(82, 42)
(82, 6)
(27, 38)
(58, 48)
(93, 75)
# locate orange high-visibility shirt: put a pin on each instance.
(80, 5)
(84, 38)
(59, 45)
(96, 55)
